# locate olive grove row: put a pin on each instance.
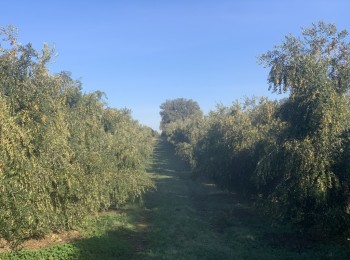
(291, 155)
(63, 153)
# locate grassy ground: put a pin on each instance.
(192, 219)
(184, 219)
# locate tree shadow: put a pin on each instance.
(112, 245)
(131, 243)
(179, 209)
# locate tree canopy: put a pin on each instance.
(178, 109)
(291, 155)
(63, 154)
(315, 71)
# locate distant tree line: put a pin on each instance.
(63, 153)
(292, 155)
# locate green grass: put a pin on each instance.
(192, 219)
(185, 219)
(104, 236)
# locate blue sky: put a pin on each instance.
(141, 53)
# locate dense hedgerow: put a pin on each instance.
(63, 153)
(293, 155)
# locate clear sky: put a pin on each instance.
(141, 53)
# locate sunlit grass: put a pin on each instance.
(103, 237)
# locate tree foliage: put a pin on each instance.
(63, 154)
(291, 155)
(315, 71)
(178, 109)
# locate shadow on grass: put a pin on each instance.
(135, 237)
(111, 235)
(111, 245)
(165, 161)
(185, 219)
(130, 240)
(193, 219)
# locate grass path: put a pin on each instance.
(192, 219)
(184, 219)
(179, 226)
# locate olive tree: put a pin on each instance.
(63, 154)
(306, 183)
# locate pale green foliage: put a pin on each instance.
(299, 65)
(316, 72)
(234, 141)
(63, 154)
